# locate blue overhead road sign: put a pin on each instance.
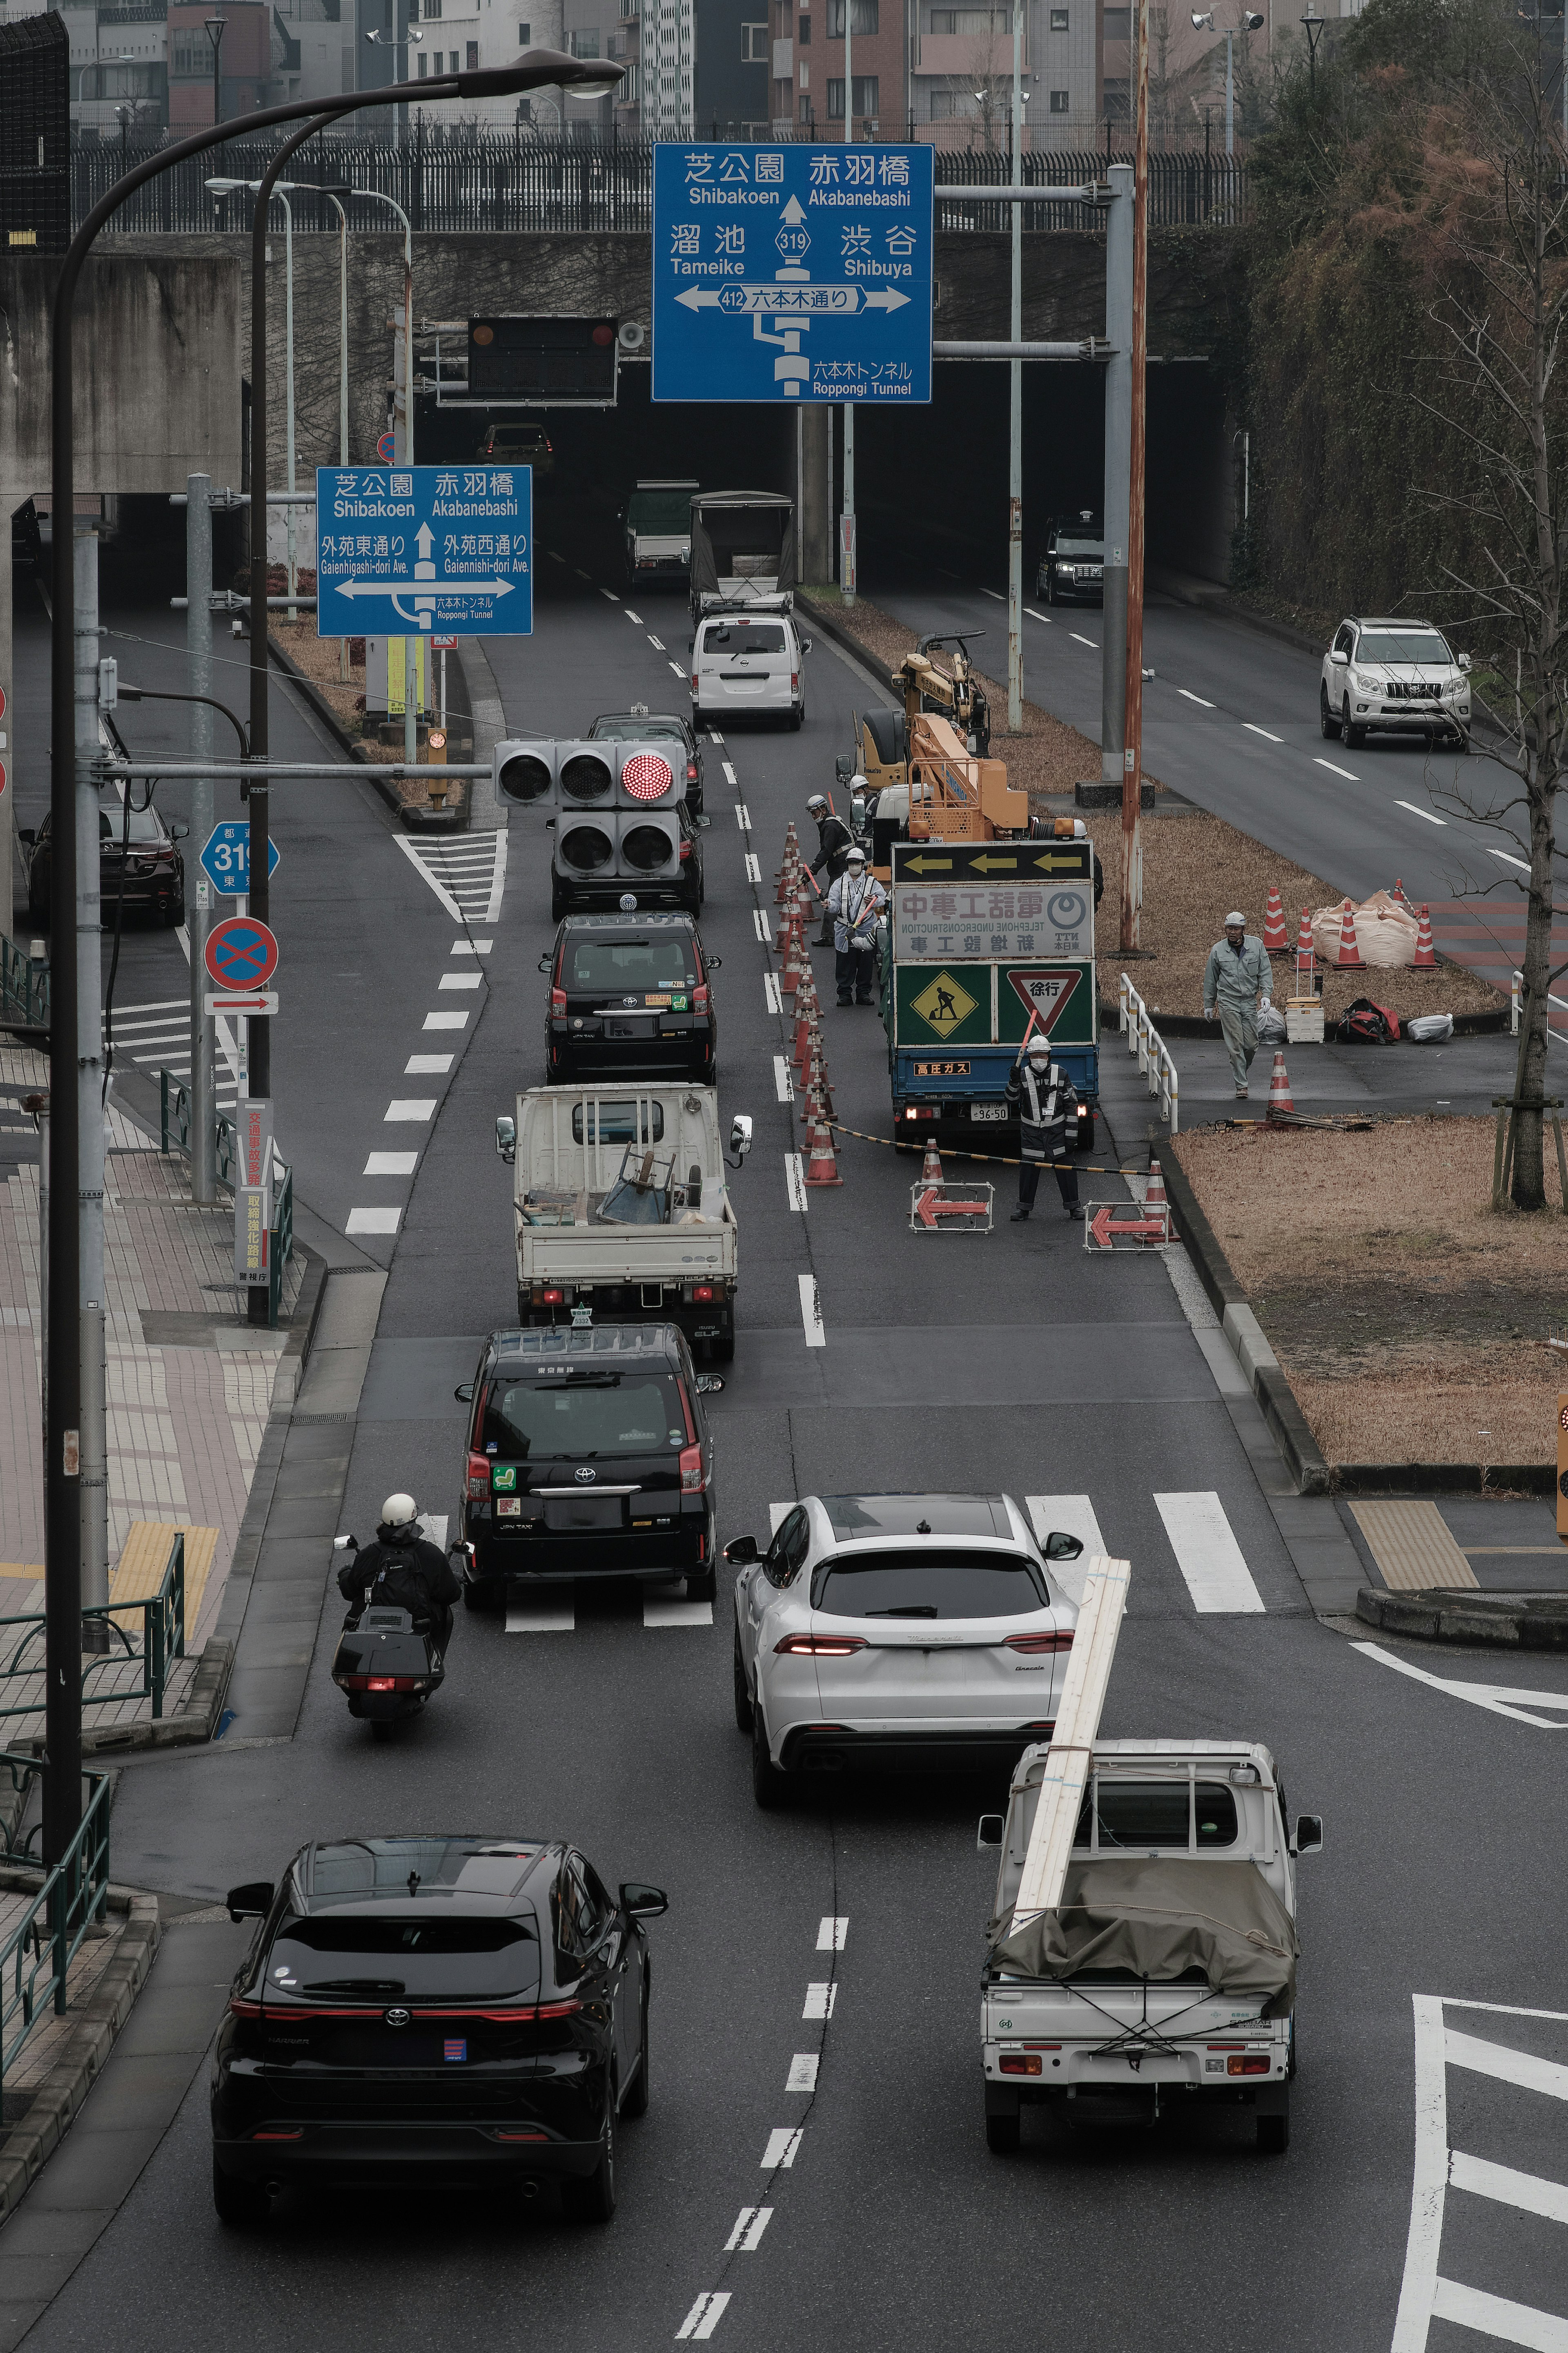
(225, 858)
(406, 550)
(793, 273)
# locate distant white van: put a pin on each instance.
(747, 662)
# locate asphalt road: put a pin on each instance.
(1014, 1362)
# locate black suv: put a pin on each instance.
(629, 997)
(1072, 569)
(640, 725)
(588, 1456)
(471, 2006)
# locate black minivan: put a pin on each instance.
(630, 997)
(588, 1456)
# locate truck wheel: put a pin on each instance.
(743, 1690)
(1273, 2135)
(1002, 2134)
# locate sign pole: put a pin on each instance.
(89, 952)
(1016, 412)
(198, 889)
(1118, 245)
(1132, 730)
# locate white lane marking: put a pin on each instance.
(1083, 641)
(819, 2001)
(666, 1605)
(542, 1617)
(1039, 617)
(1506, 2065)
(1186, 692)
(771, 992)
(410, 1107)
(795, 1182)
(753, 867)
(811, 1312)
(419, 1066)
(714, 734)
(802, 2076)
(445, 1020)
(582, 575)
(1429, 2180)
(1336, 772)
(611, 594)
(1528, 2191)
(406, 846)
(783, 2145)
(472, 947)
(391, 1164)
(1494, 2315)
(1263, 731)
(498, 879)
(743, 816)
(760, 918)
(1421, 812)
(1075, 1516)
(461, 980)
(730, 775)
(657, 643)
(703, 2317)
(834, 1933)
(631, 615)
(159, 1005)
(1498, 1699)
(1207, 1554)
(750, 2224)
(372, 1221)
(782, 1087)
(1508, 859)
(994, 591)
(677, 669)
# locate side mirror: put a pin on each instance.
(550, 825)
(742, 1550)
(251, 1901)
(806, 645)
(843, 766)
(544, 961)
(1464, 664)
(178, 829)
(714, 963)
(506, 1139)
(858, 811)
(26, 833)
(1059, 1546)
(1308, 1838)
(989, 1832)
(345, 1543)
(1341, 659)
(740, 1137)
(643, 1902)
(708, 1384)
(464, 1393)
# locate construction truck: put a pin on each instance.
(1142, 1944)
(743, 551)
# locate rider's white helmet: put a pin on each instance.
(399, 1512)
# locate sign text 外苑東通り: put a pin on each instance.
(413, 550)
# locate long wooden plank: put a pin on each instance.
(1071, 1750)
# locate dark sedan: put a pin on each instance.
(630, 997)
(641, 727)
(465, 2007)
(148, 870)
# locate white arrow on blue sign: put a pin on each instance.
(423, 549)
(225, 859)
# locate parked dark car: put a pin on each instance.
(473, 2008)
(1072, 569)
(152, 871)
(641, 727)
(630, 995)
(518, 445)
(588, 1456)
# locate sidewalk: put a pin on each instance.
(190, 1390)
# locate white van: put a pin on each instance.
(746, 662)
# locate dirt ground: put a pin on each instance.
(1409, 1318)
(320, 659)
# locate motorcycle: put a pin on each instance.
(389, 1664)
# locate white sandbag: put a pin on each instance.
(1270, 1024)
(1430, 1028)
(1386, 931)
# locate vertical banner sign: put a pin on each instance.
(847, 580)
(253, 1192)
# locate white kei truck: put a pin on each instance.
(1141, 1950)
(622, 1209)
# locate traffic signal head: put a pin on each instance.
(588, 775)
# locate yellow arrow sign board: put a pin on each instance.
(985, 861)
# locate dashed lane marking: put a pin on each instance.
(461, 980)
(1334, 771)
(784, 2146)
(1039, 617)
(760, 919)
(472, 947)
(674, 666)
(426, 1066)
(1509, 859)
(753, 867)
(372, 1221)
(782, 1087)
(445, 1020)
(730, 775)
(1421, 812)
(995, 593)
(657, 643)
(819, 2001)
(666, 1605)
(802, 2076)
(631, 615)
(611, 594)
(553, 1617)
(703, 2317)
(747, 2234)
(714, 736)
(834, 1933)
(743, 816)
(391, 1164)
(1253, 730)
(1207, 1555)
(1083, 641)
(795, 1181)
(1188, 696)
(771, 992)
(811, 1312)
(410, 1107)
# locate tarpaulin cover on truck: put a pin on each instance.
(1156, 1918)
(742, 534)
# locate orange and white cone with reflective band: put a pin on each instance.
(1154, 1201)
(1280, 1103)
(1426, 954)
(930, 1166)
(1274, 925)
(1349, 951)
(821, 1167)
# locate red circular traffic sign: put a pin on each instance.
(2, 702)
(385, 447)
(241, 953)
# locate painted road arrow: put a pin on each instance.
(791, 301)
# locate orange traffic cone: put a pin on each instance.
(822, 1168)
(794, 957)
(1304, 938)
(1281, 1105)
(1154, 1199)
(818, 1093)
(1426, 954)
(1350, 953)
(1274, 925)
(930, 1166)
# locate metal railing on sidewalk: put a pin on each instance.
(161, 1640)
(35, 1959)
(1153, 1055)
(174, 1132)
(24, 987)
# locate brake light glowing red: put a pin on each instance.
(701, 1291)
(819, 1646)
(479, 1476)
(381, 1683)
(685, 851)
(691, 772)
(1060, 1639)
(1247, 2066)
(553, 1296)
(693, 1478)
(1018, 2063)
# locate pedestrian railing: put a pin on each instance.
(24, 987)
(35, 1959)
(144, 1638)
(175, 1130)
(1153, 1055)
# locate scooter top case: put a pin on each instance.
(387, 1668)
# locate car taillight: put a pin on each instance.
(693, 1478)
(685, 851)
(296, 2132)
(479, 1477)
(694, 681)
(699, 1000)
(691, 772)
(1034, 1643)
(795, 682)
(701, 1293)
(245, 2009)
(553, 1296)
(1018, 2063)
(558, 1000)
(1247, 2066)
(521, 2135)
(819, 1646)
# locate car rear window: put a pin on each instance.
(745, 637)
(585, 1417)
(924, 1585)
(382, 1956)
(1403, 645)
(659, 511)
(144, 825)
(1142, 1814)
(617, 1123)
(618, 965)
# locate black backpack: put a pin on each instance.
(1366, 1024)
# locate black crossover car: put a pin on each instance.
(630, 997)
(588, 1456)
(643, 727)
(470, 2006)
(148, 870)
(1072, 569)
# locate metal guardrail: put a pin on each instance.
(174, 1136)
(162, 1640)
(35, 1959)
(24, 987)
(1153, 1055)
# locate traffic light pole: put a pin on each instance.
(198, 890)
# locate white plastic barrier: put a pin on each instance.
(1153, 1055)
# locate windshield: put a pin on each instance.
(1138, 1815)
(1403, 645)
(586, 1417)
(1080, 539)
(144, 825)
(516, 437)
(928, 1585)
(633, 730)
(381, 1956)
(745, 637)
(616, 965)
(665, 510)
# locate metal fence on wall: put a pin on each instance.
(520, 182)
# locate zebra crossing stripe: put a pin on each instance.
(1208, 1555)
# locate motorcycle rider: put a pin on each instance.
(1047, 1119)
(834, 841)
(404, 1570)
(855, 902)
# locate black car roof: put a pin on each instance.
(658, 718)
(523, 1352)
(464, 1871)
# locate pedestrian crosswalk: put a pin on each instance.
(555, 1609)
(467, 873)
(156, 1035)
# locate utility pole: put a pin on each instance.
(94, 1426)
(1016, 409)
(1132, 731)
(1118, 260)
(198, 897)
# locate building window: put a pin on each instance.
(805, 113)
(421, 66)
(1059, 101)
(586, 45)
(1119, 23)
(473, 49)
(1058, 20)
(865, 94)
(862, 20)
(806, 32)
(524, 36)
(1118, 100)
(974, 21)
(753, 45)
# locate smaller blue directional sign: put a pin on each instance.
(406, 550)
(793, 273)
(225, 859)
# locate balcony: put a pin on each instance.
(968, 56)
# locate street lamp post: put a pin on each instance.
(63, 1369)
(216, 28)
(227, 188)
(1314, 30)
(1250, 22)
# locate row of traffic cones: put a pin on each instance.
(1350, 956)
(797, 982)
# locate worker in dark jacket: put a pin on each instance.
(834, 841)
(402, 1570)
(1046, 1103)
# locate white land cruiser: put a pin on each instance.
(1401, 677)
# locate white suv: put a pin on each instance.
(1400, 676)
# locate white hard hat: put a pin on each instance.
(1040, 1049)
(857, 782)
(1236, 920)
(398, 1512)
(817, 800)
(856, 857)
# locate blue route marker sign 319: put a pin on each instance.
(793, 273)
(408, 550)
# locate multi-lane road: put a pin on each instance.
(849, 2201)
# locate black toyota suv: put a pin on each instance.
(640, 725)
(588, 1456)
(470, 2006)
(630, 997)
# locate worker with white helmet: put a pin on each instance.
(402, 1570)
(1236, 978)
(1047, 1103)
(835, 839)
(855, 903)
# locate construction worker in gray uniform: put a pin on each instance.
(855, 903)
(1236, 976)
(1046, 1101)
(836, 840)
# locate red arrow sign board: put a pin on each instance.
(1048, 995)
(1111, 1224)
(241, 954)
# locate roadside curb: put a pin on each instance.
(54, 2106)
(417, 821)
(1520, 1622)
